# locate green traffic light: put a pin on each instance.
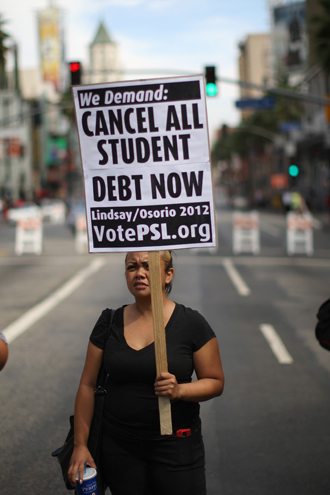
(211, 89)
(293, 170)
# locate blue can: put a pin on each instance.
(89, 485)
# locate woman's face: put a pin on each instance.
(137, 274)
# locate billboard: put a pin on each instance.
(51, 45)
(146, 164)
(290, 37)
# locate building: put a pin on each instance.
(289, 41)
(104, 58)
(312, 142)
(254, 65)
(16, 171)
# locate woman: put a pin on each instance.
(135, 458)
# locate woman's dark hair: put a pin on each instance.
(168, 262)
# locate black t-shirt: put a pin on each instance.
(131, 406)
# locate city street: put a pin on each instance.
(268, 434)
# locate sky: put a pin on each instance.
(182, 35)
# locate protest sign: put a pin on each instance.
(146, 164)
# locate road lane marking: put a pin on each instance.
(276, 344)
(34, 314)
(235, 278)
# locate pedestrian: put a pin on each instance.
(135, 458)
(3, 350)
(286, 201)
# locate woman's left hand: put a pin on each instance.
(166, 385)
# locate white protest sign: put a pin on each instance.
(146, 164)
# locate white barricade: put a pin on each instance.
(29, 235)
(299, 233)
(54, 212)
(246, 236)
(81, 239)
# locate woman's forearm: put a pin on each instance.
(3, 354)
(200, 390)
(84, 408)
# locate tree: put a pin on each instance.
(261, 126)
(3, 51)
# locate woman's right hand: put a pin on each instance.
(80, 455)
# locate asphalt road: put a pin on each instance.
(267, 434)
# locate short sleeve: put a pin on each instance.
(99, 332)
(2, 337)
(202, 332)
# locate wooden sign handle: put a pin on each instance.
(164, 403)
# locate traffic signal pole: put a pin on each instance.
(318, 100)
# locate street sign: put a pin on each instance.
(279, 181)
(255, 104)
(289, 126)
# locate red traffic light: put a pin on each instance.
(75, 73)
(75, 66)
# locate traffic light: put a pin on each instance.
(75, 73)
(293, 170)
(211, 81)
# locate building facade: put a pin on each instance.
(16, 170)
(254, 65)
(104, 58)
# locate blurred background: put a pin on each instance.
(269, 65)
(267, 68)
